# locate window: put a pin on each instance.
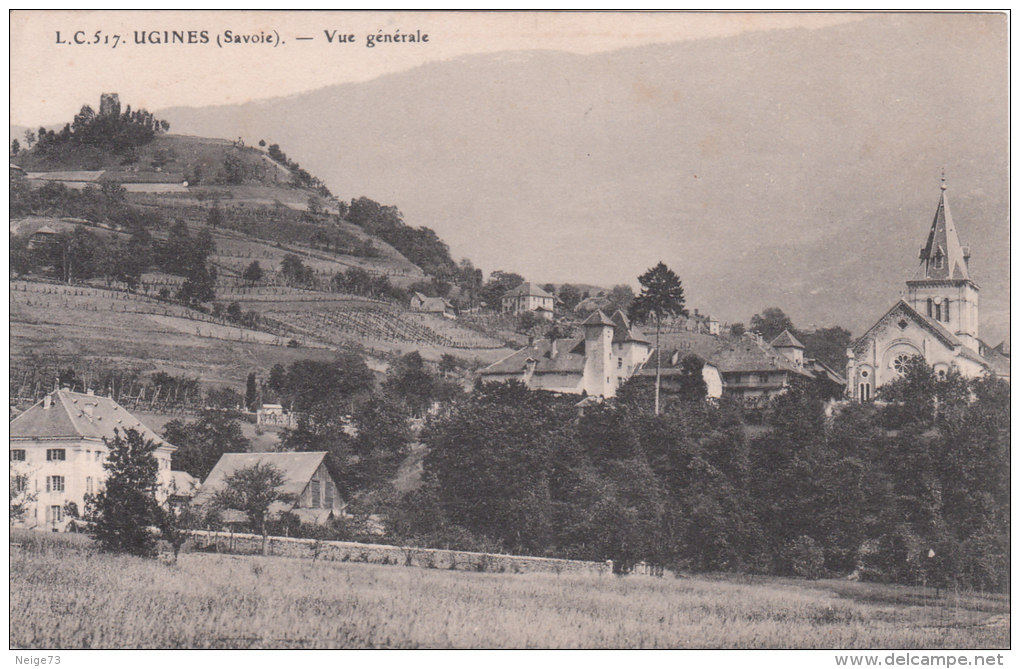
(20, 483)
(18, 455)
(54, 514)
(314, 492)
(99, 454)
(865, 392)
(54, 484)
(619, 363)
(899, 363)
(864, 373)
(945, 310)
(329, 495)
(763, 378)
(931, 309)
(53, 454)
(937, 260)
(938, 311)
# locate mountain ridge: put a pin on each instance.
(788, 157)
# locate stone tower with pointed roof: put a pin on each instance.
(942, 288)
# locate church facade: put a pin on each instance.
(937, 320)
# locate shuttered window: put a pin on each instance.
(315, 492)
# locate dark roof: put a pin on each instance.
(79, 416)
(598, 318)
(943, 242)
(297, 469)
(527, 288)
(622, 331)
(786, 340)
(748, 355)
(551, 356)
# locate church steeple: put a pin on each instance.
(942, 289)
(942, 255)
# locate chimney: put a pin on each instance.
(47, 401)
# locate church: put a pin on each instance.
(938, 320)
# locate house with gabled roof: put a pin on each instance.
(938, 320)
(595, 364)
(315, 494)
(528, 297)
(422, 303)
(60, 445)
(747, 369)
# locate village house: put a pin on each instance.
(594, 365)
(938, 320)
(528, 297)
(275, 415)
(315, 493)
(746, 369)
(60, 446)
(432, 305)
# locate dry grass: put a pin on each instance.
(63, 595)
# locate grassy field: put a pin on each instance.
(64, 595)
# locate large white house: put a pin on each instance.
(938, 320)
(59, 445)
(595, 365)
(528, 297)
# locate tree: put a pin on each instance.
(621, 296)
(253, 273)
(828, 345)
(770, 323)
(173, 523)
(737, 330)
(15, 148)
(499, 282)
(126, 506)
(21, 496)
(215, 217)
(29, 138)
(293, 269)
(251, 392)
(569, 295)
(411, 383)
(252, 490)
(662, 295)
(200, 443)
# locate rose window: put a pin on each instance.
(899, 363)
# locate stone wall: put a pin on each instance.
(429, 558)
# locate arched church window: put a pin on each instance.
(865, 392)
(938, 311)
(930, 308)
(864, 373)
(937, 260)
(945, 310)
(899, 363)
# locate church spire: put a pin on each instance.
(942, 255)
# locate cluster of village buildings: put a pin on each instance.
(60, 443)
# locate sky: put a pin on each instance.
(164, 75)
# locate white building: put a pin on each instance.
(59, 445)
(595, 365)
(528, 297)
(938, 320)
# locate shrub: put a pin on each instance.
(805, 557)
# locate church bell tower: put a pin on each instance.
(942, 288)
